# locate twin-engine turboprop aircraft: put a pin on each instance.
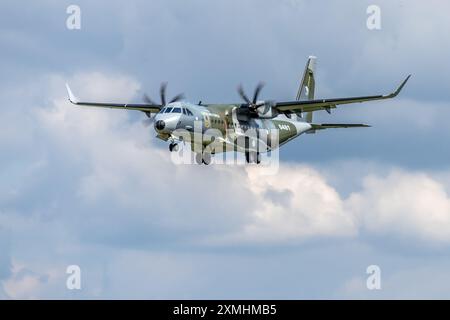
(234, 122)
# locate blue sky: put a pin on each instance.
(95, 188)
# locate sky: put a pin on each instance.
(96, 189)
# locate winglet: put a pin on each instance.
(72, 97)
(394, 94)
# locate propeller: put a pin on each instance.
(162, 93)
(252, 104)
(147, 99)
(178, 97)
(147, 122)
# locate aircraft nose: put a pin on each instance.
(160, 125)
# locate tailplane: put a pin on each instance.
(337, 125)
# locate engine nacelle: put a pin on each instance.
(267, 110)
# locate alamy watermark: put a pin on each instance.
(374, 19)
(373, 281)
(234, 146)
(73, 281)
(73, 21)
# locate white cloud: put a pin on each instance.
(91, 186)
(24, 283)
(408, 206)
(411, 205)
(124, 166)
(128, 169)
(294, 204)
(110, 184)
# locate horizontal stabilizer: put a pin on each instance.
(337, 125)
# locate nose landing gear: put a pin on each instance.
(173, 147)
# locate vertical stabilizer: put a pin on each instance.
(308, 84)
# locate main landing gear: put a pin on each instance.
(250, 157)
(253, 157)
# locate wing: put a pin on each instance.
(144, 107)
(327, 104)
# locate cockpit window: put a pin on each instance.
(168, 110)
(184, 111)
(176, 110)
(162, 110)
(189, 112)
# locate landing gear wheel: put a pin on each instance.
(173, 147)
(206, 158)
(253, 157)
(199, 158)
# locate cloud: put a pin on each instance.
(23, 283)
(407, 206)
(93, 187)
(100, 182)
(126, 168)
(309, 207)
(117, 168)
(411, 205)
(237, 202)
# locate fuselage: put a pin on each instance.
(223, 119)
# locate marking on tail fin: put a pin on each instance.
(307, 85)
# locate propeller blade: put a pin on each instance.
(150, 119)
(257, 91)
(147, 122)
(147, 99)
(178, 97)
(162, 92)
(243, 95)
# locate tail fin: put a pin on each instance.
(308, 84)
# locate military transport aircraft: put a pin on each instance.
(289, 119)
